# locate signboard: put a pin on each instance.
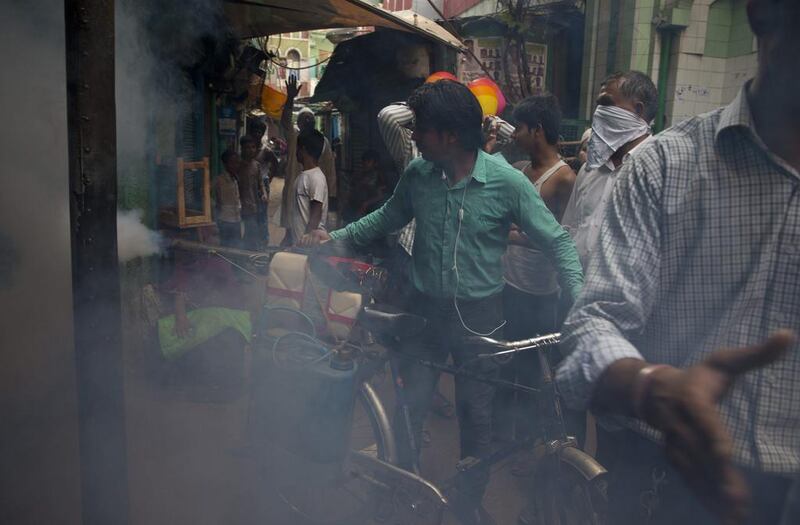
(226, 120)
(490, 51)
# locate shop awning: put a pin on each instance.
(252, 18)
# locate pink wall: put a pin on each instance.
(397, 5)
(456, 7)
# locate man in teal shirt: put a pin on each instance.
(464, 202)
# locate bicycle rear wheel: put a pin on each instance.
(329, 494)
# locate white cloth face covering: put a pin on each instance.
(612, 128)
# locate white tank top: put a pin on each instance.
(528, 269)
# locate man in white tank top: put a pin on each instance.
(531, 295)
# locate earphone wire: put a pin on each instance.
(458, 279)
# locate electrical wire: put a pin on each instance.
(297, 312)
(458, 278)
(300, 359)
(242, 268)
(299, 68)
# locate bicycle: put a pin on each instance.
(347, 475)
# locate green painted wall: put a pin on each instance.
(644, 36)
(301, 44)
(728, 33)
(320, 49)
(625, 45)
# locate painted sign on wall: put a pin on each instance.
(490, 52)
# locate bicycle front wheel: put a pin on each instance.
(569, 489)
(331, 495)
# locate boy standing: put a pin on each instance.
(310, 208)
(229, 207)
(252, 194)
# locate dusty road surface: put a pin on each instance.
(188, 463)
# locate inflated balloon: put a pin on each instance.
(486, 81)
(487, 98)
(488, 104)
(440, 75)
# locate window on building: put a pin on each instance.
(293, 58)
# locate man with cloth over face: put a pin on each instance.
(621, 124)
(464, 202)
(680, 335)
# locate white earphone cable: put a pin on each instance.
(458, 279)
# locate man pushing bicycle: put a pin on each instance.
(464, 202)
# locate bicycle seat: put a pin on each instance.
(387, 320)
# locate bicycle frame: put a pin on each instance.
(541, 344)
(416, 495)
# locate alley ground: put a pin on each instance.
(186, 467)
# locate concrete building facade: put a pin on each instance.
(304, 53)
(709, 48)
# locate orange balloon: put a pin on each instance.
(483, 90)
(487, 98)
(488, 82)
(440, 75)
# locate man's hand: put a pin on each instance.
(183, 327)
(518, 238)
(683, 405)
(314, 237)
(490, 128)
(292, 89)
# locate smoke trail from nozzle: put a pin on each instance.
(134, 239)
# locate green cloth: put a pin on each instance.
(497, 195)
(206, 323)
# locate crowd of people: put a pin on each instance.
(669, 262)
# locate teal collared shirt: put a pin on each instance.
(494, 196)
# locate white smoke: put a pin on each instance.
(134, 239)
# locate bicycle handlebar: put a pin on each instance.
(510, 347)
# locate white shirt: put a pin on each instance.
(229, 206)
(586, 207)
(309, 186)
(529, 269)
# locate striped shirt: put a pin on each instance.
(699, 250)
(394, 124)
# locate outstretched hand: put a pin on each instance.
(292, 88)
(683, 405)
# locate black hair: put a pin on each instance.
(637, 87)
(541, 111)
(372, 155)
(312, 141)
(447, 105)
(226, 155)
(248, 139)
